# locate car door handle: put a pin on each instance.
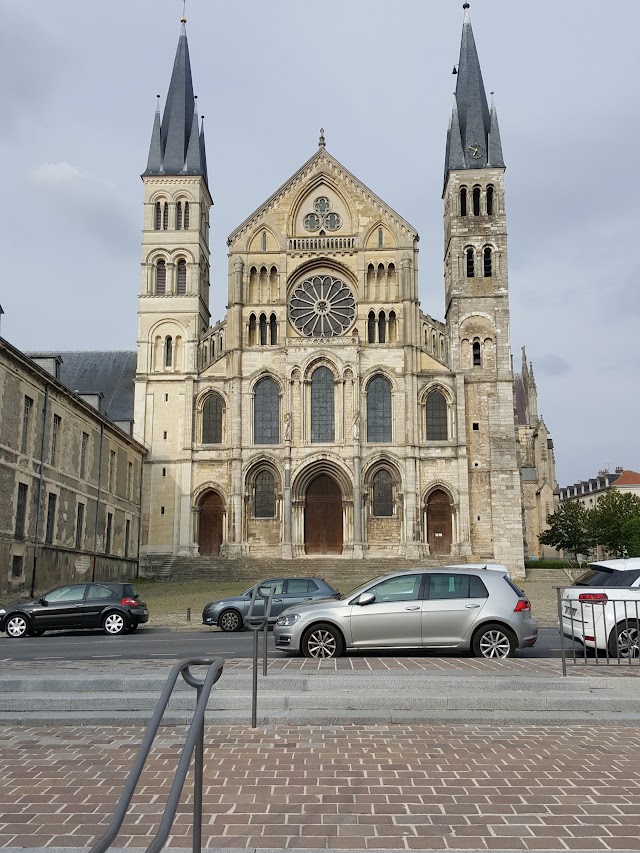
(413, 608)
(278, 600)
(471, 606)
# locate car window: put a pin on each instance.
(455, 585)
(300, 586)
(404, 588)
(277, 586)
(98, 592)
(595, 577)
(66, 593)
(623, 578)
(129, 590)
(515, 588)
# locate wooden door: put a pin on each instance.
(210, 532)
(439, 523)
(323, 533)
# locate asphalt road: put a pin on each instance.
(149, 643)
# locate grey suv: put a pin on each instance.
(444, 608)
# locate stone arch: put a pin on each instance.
(211, 514)
(254, 241)
(371, 237)
(306, 192)
(315, 266)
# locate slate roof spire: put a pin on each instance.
(473, 132)
(177, 144)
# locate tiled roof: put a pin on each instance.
(628, 478)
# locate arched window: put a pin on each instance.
(437, 417)
(157, 221)
(379, 410)
(252, 330)
(463, 201)
(273, 330)
(186, 214)
(382, 503)
(371, 328)
(264, 495)
(393, 330)
(322, 405)
(380, 238)
(476, 201)
(165, 216)
(263, 330)
(471, 262)
(487, 257)
(181, 277)
(266, 412)
(490, 200)
(178, 216)
(264, 241)
(161, 278)
(168, 352)
(477, 356)
(212, 412)
(382, 327)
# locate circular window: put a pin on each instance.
(332, 221)
(322, 205)
(322, 307)
(312, 222)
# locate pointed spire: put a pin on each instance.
(203, 153)
(525, 370)
(496, 157)
(154, 163)
(192, 164)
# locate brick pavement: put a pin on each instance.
(342, 787)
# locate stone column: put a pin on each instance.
(358, 548)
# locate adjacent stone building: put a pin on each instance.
(326, 413)
(69, 479)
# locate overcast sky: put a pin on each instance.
(78, 82)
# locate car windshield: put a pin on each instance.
(363, 587)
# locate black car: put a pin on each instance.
(114, 607)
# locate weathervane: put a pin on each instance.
(184, 11)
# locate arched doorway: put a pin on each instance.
(439, 525)
(323, 531)
(211, 524)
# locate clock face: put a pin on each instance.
(475, 150)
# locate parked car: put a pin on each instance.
(114, 607)
(602, 609)
(445, 608)
(228, 613)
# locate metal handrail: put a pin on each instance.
(194, 740)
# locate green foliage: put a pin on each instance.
(549, 564)
(569, 529)
(611, 521)
(631, 534)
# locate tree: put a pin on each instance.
(569, 529)
(609, 517)
(631, 533)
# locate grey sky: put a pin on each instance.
(78, 82)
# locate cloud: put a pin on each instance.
(86, 199)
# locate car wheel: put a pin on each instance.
(16, 626)
(494, 642)
(114, 623)
(230, 620)
(322, 642)
(624, 641)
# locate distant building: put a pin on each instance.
(69, 478)
(540, 493)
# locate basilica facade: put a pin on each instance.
(326, 414)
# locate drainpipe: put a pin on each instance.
(40, 480)
(139, 518)
(95, 531)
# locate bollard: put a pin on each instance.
(188, 614)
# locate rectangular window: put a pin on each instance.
(21, 510)
(112, 470)
(51, 519)
(57, 420)
(26, 423)
(107, 546)
(83, 455)
(127, 533)
(130, 481)
(16, 566)
(79, 526)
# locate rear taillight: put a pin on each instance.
(595, 597)
(522, 604)
(128, 602)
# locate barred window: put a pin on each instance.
(181, 279)
(322, 405)
(379, 410)
(212, 420)
(383, 494)
(437, 417)
(266, 413)
(264, 499)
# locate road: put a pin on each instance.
(157, 643)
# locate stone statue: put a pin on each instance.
(356, 426)
(287, 427)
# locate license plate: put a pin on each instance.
(570, 610)
(145, 612)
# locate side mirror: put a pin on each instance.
(43, 601)
(366, 598)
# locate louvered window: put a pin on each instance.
(157, 222)
(179, 216)
(212, 420)
(322, 405)
(437, 417)
(165, 216)
(186, 214)
(383, 494)
(266, 414)
(181, 279)
(379, 410)
(488, 262)
(264, 504)
(471, 262)
(161, 278)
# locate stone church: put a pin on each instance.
(326, 414)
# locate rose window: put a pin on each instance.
(322, 216)
(322, 307)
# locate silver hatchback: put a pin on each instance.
(445, 608)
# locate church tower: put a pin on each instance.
(173, 305)
(477, 308)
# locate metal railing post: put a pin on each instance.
(198, 772)
(257, 624)
(562, 649)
